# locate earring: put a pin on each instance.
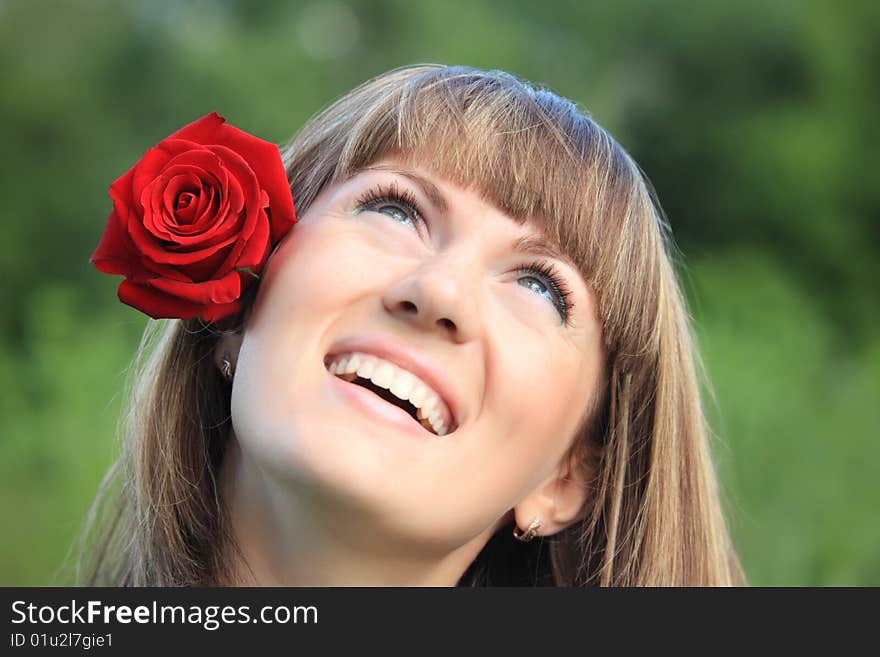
(226, 368)
(529, 534)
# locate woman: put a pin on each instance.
(468, 363)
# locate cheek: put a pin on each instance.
(538, 399)
(317, 268)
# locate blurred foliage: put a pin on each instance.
(755, 121)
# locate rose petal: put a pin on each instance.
(155, 160)
(179, 185)
(180, 195)
(203, 214)
(113, 253)
(249, 185)
(207, 268)
(159, 253)
(219, 228)
(150, 270)
(155, 303)
(257, 248)
(185, 209)
(163, 224)
(117, 254)
(121, 194)
(223, 290)
(201, 130)
(206, 203)
(217, 311)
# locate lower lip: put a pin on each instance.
(379, 408)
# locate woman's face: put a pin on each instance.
(401, 264)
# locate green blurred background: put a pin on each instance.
(757, 122)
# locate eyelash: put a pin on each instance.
(557, 286)
(391, 195)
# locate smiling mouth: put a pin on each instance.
(423, 411)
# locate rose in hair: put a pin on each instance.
(195, 220)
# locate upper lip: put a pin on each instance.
(407, 358)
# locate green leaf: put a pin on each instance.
(247, 270)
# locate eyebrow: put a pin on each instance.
(428, 188)
(540, 246)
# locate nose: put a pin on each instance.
(437, 296)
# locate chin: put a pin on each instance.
(338, 460)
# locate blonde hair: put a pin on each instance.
(653, 517)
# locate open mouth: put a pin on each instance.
(396, 387)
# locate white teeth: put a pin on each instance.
(419, 393)
(403, 384)
(368, 366)
(432, 412)
(430, 404)
(383, 375)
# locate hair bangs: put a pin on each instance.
(529, 152)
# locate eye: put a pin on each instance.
(396, 213)
(398, 204)
(543, 278)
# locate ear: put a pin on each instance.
(228, 346)
(559, 500)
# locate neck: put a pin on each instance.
(291, 535)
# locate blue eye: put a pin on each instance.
(548, 280)
(396, 213)
(399, 205)
(538, 286)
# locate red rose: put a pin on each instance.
(194, 221)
